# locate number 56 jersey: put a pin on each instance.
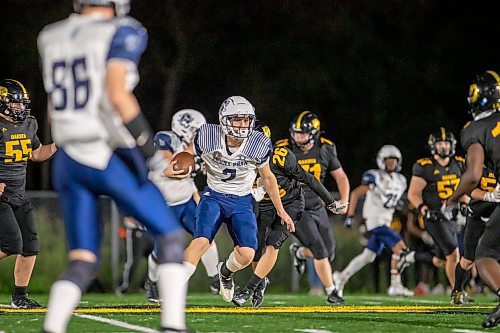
(231, 172)
(442, 181)
(75, 54)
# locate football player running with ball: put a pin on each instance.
(233, 153)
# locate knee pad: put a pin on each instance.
(319, 252)
(11, 244)
(80, 273)
(171, 248)
(368, 256)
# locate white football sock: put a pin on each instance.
(152, 269)
(210, 260)
(172, 290)
(232, 264)
(64, 297)
(357, 263)
(395, 279)
(300, 253)
(329, 289)
(190, 269)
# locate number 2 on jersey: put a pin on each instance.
(78, 84)
(231, 173)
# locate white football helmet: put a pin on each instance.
(236, 107)
(388, 151)
(122, 7)
(186, 123)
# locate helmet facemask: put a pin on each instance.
(484, 93)
(307, 126)
(237, 117)
(387, 152)
(444, 151)
(14, 101)
(122, 7)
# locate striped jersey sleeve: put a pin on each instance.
(259, 148)
(208, 139)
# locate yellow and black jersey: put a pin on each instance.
(488, 183)
(486, 132)
(17, 141)
(290, 175)
(442, 181)
(318, 161)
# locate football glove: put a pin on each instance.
(493, 196)
(336, 207)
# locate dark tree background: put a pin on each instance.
(375, 72)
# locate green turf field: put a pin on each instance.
(283, 313)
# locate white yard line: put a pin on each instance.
(117, 323)
(311, 330)
(459, 330)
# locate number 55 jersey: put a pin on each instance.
(442, 181)
(17, 141)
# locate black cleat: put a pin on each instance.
(241, 297)
(299, 264)
(151, 289)
(334, 298)
(24, 302)
(214, 284)
(258, 294)
(493, 319)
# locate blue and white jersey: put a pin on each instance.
(231, 173)
(175, 191)
(384, 192)
(74, 55)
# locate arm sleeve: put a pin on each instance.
(293, 169)
(129, 42)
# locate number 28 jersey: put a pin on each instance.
(442, 181)
(75, 53)
(231, 173)
(319, 161)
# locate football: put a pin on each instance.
(184, 161)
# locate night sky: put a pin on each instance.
(375, 72)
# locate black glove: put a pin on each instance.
(348, 222)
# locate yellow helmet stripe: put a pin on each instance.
(25, 93)
(495, 75)
(443, 133)
(299, 119)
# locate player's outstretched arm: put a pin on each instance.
(271, 186)
(355, 195)
(44, 152)
(343, 185)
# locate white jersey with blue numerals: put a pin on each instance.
(175, 191)
(74, 55)
(385, 190)
(231, 173)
